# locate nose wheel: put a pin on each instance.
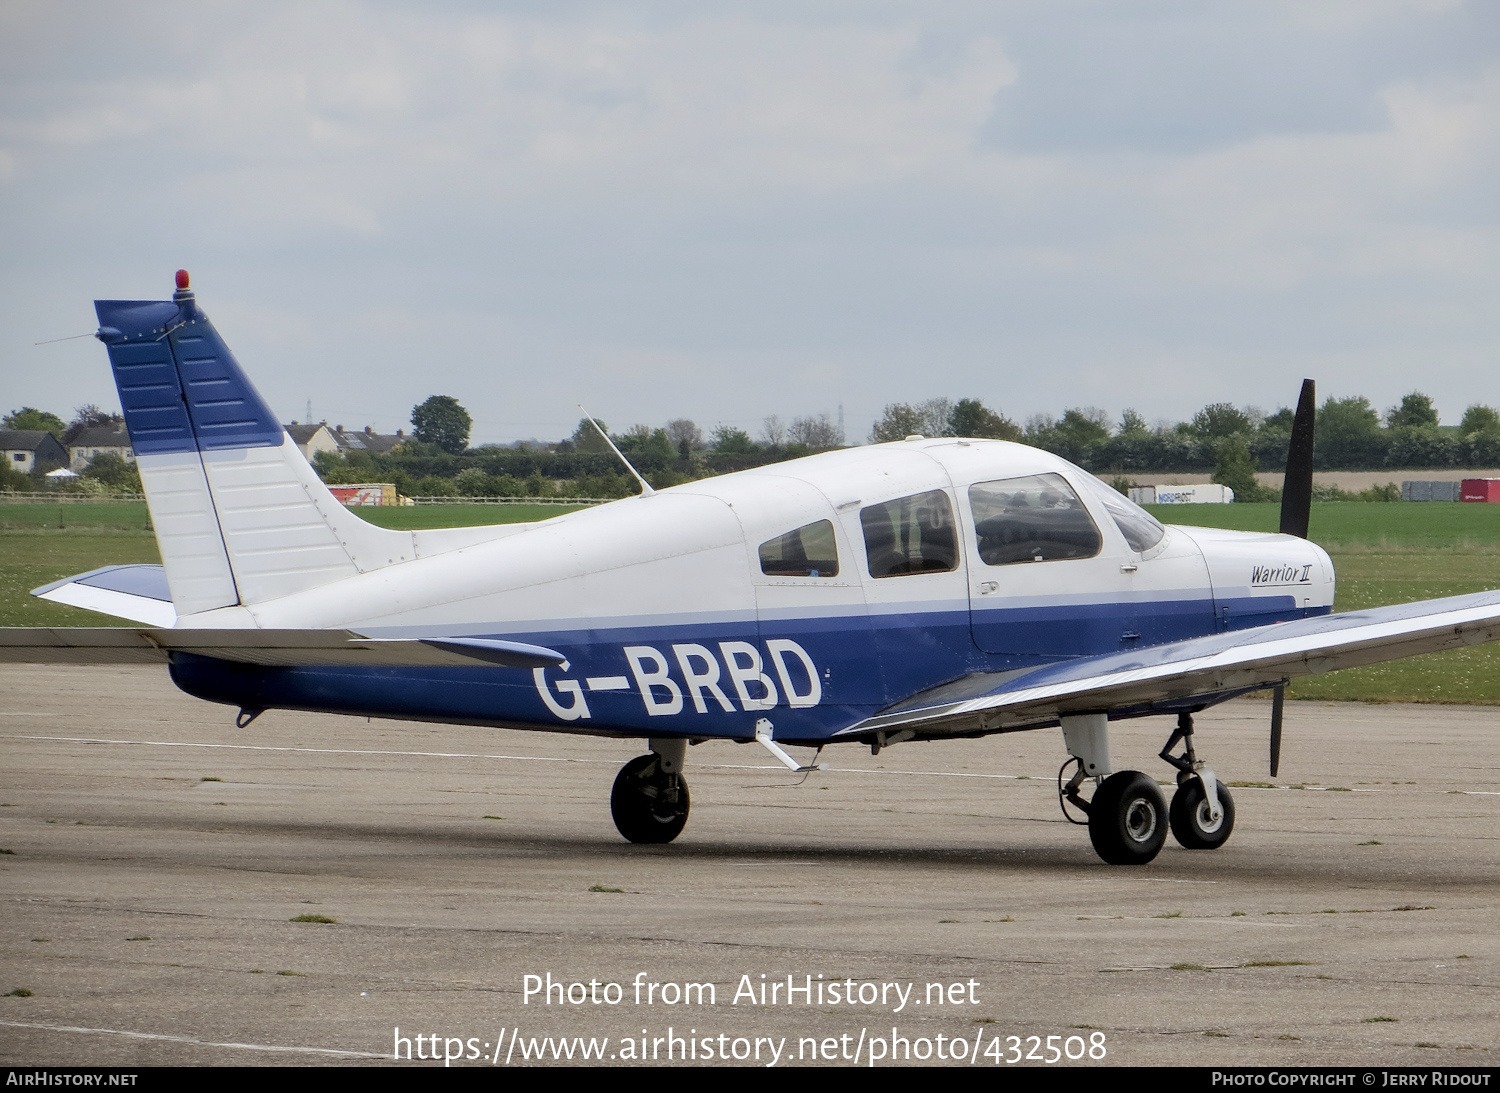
(1202, 809)
(649, 805)
(1194, 824)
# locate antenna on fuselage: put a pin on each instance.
(646, 490)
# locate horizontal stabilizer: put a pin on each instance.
(270, 648)
(135, 592)
(1208, 667)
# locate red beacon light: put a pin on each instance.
(182, 280)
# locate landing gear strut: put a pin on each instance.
(650, 800)
(1202, 809)
(1127, 816)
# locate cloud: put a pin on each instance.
(758, 208)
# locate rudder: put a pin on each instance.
(240, 516)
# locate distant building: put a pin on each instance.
(311, 439)
(27, 449)
(84, 442)
(367, 440)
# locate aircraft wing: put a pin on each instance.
(273, 648)
(1210, 667)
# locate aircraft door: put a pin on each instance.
(1075, 568)
(1045, 581)
(911, 548)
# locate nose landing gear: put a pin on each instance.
(1202, 812)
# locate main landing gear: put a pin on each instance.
(1128, 817)
(650, 800)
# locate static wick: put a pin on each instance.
(69, 338)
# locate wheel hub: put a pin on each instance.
(1140, 820)
(1208, 823)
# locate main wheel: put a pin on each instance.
(1128, 819)
(649, 806)
(1191, 825)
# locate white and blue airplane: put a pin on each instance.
(918, 590)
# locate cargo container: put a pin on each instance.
(1480, 489)
(1202, 493)
(1430, 491)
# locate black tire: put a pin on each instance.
(649, 806)
(1128, 819)
(1190, 823)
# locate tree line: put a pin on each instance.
(1229, 441)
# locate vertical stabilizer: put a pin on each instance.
(240, 517)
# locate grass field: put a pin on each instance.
(1383, 553)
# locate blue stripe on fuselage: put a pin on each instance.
(862, 665)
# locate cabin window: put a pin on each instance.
(807, 552)
(1141, 530)
(1034, 519)
(910, 535)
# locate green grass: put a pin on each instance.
(1445, 525)
(1383, 554)
(415, 517)
(44, 543)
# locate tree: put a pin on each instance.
(1234, 468)
(1220, 419)
(1416, 410)
(646, 446)
(473, 482)
(1348, 434)
(970, 417)
(731, 441)
(816, 433)
(899, 421)
(29, 417)
(902, 419)
(1479, 419)
(114, 472)
(685, 437)
(773, 432)
(589, 440)
(90, 416)
(1132, 424)
(442, 421)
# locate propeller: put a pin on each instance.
(1278, 701)
(1296, 510)
(1296, 486)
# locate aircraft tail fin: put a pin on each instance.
(240, 516)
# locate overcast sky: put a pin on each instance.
(723, 211)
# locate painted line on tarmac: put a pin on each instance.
(479, 755)
(199, 1043)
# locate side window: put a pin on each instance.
(1141, 530)
(1033, 519)
(910, 535)
(807, 552)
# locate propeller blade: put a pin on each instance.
(1296, 487)
(1278, 701)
